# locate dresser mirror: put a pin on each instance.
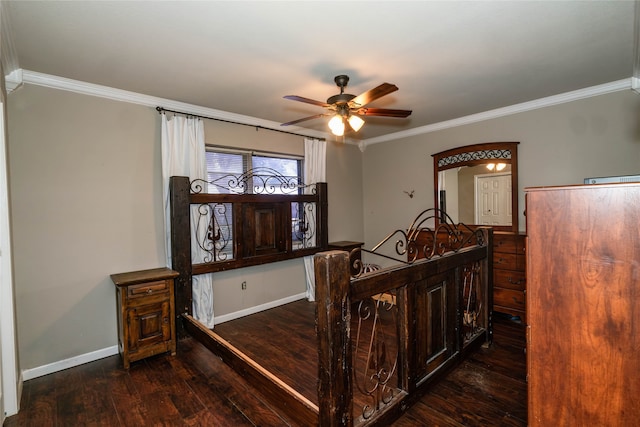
(478, 184)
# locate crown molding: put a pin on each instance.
(13, 80)
(19, 77)
(624, 84)
(9, 56)
(84, 88)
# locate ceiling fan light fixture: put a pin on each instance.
(349, 108)
(498, 167)
(336, 124)
(355, 122)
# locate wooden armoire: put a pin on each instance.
(583, 305)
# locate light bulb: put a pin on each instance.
(355, 122)
(500, 166)
(336, 125)
(491, 166)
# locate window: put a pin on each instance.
(228, 171)
(237, 172)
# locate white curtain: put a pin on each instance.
(183, 154)
(315, 170)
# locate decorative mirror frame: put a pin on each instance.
(478, 154)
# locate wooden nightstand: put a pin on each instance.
(146, 323)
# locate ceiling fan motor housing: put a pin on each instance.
(342, 81)
(343, 98)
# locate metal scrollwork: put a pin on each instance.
(254, 181)
(376, 352)
(422, 241)
(303, 225)
(214, 232)
(493, 154)
(472, 302)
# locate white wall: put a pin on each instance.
(87, 202)
(559, 145)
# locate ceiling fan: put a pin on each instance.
(345, 107)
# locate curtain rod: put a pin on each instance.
(161, 110)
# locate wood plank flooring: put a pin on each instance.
(195, 388)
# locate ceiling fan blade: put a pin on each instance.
(385, 112)
(372, 95)
(304, 119)
(307, 100)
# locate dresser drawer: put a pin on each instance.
(509, 261)
(147, 289)
(510, 279)
(508, 243)
(509, 298)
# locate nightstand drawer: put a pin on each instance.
(147, 289)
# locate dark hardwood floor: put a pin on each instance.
(195, 388)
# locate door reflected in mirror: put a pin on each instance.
(478, 185)
(477, 194)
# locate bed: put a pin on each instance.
(382, 335)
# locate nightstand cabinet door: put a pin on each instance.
(148, 324)
(146, 320)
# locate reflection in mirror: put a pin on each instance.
(477, 184)
(477, 195)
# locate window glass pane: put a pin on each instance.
(223, 169)
(286, 167)
(289, 168)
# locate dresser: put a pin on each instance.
(583, 305)
(509, 274)
(146, 323)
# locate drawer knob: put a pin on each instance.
(519, 282)
(149, 291)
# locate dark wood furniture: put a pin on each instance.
(146, 324)
(509, 274)
(583, 305)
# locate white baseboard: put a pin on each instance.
(40, 371)
(257, 308)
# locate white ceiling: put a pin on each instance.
(450, 59)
